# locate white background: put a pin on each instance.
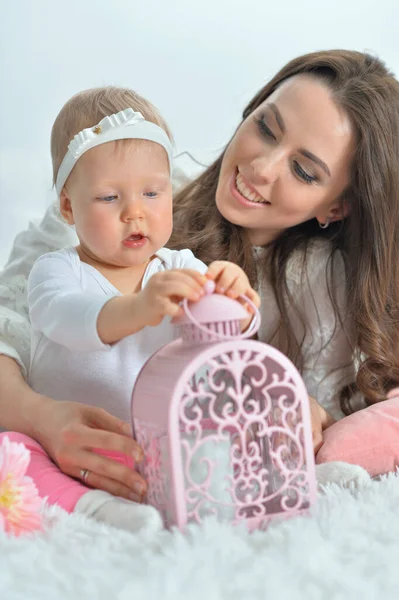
(199, 61)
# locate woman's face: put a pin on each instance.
(289, 161)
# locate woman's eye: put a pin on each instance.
(107, 199)
(303, 174)
(151, 194)
(264, 129)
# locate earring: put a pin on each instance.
(324, 225)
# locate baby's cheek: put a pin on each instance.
(99, 226)
(100, 231)
(164, 220)
(101, 220)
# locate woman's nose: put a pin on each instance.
(266, 169)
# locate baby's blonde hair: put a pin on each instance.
(87, 108)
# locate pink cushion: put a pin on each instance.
(369, 438)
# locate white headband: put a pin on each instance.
(126, 124)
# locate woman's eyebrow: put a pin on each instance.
(305, 153)
(316, 160)
(279, 118)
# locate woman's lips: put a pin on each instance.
(240, 197)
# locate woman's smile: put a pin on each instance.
(244, 193)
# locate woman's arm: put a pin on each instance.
(69, 431)
(20, 407)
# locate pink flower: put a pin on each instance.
(20, 503)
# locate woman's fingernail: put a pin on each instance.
(138, 488)
(126, 428)
(137, 455)
(220, 290)
(134, 498)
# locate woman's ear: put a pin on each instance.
(339, 212)
(66, 207)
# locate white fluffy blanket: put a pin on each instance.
(348, 548)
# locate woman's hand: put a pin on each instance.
(70, 432)
(320, 419)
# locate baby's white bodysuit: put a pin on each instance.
(68, 359)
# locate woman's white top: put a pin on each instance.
(328, 357)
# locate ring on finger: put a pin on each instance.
(84, 473)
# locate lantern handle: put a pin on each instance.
(251, 330)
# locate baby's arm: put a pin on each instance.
(89, 322)
(125, 315)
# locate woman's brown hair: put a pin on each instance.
(368, 238)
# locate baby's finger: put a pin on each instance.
(228, 284)
(254, 296)
(249, 293)
(195, 275)
(187, 278)
(239, 287)
(181, 288)
(172, 308)
(215, 269)
(227, 278)
(247, 306)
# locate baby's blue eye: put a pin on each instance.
(151, 194)
(108, 198)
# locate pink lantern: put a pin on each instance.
(224, 423)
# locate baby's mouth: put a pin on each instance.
(135, 237)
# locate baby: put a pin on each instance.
(101, 309)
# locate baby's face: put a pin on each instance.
(120, 199)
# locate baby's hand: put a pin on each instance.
(164, 291)
(231, 280)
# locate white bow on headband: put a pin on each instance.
(126, 124)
